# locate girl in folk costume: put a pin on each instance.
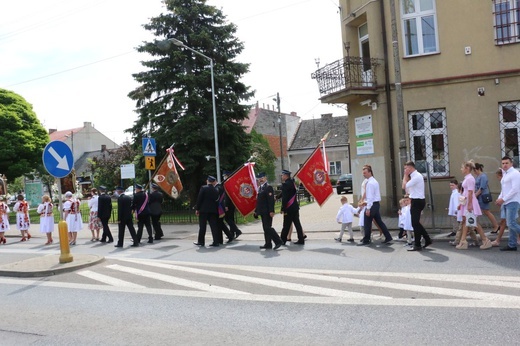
(22, 217)
(72, 217)
(4, 220)
(94, 223)
(46, 218)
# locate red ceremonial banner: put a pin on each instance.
(241, 188)
(313, 175)
(166, 175)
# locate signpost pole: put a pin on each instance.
(65, 256)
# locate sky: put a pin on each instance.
(73, 60)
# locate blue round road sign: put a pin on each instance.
(57, 159)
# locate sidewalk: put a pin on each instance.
(319, 223)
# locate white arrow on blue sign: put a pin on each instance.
(57, 159)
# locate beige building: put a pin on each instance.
(458, 98)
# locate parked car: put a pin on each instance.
(344, 184)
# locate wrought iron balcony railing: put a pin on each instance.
(349, 73)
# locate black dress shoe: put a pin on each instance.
(415, 248)
(299, 242)
(135, 245)
(150, 241)
(507, 248)
(158, 238)
(305, 236)
(198, 244)
(118, 245)
(102, 241)
(214, 244)
(427, 243)
(238, 234)
(363, 243)
(110, 241)
(277, 246)
(387, 241)
(266, 247)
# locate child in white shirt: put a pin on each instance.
(408, 220)
(345, 217)
(453, 207)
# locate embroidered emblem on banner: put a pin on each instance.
(319, 177)
(246, 190)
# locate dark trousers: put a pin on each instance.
(223, 228)
(416, 209)
(204, 219)
(156, 223)
(230, 219)
(106, 230)
(270, 234)
(121, 234)
(374, 215)
(144, 221)
(288, 219)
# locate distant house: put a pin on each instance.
(265, 122)
(86, 143)
(309, 135)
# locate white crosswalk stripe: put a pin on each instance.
(109, 280)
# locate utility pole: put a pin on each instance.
(398, 88)
(280, 128)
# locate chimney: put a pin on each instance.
(103, 147)
(52, 131)
(87, 124)
(294, 114)
(326, 116)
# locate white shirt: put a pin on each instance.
(93, 203)
(372, 192)
(346, 213)
(415, 186)
(510, 186)
(454, 203)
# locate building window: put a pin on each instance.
(509, 117)
(506, 14)
(334, 167)
(419, 27)
(429, 141)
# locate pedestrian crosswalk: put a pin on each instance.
(289, 285)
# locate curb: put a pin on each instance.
(50, 265)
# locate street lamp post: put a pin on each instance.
(164, 44)
(280, 128)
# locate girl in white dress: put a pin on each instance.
(46, 218)
(94, 223)
(4, 219)
(22, 217)
(72, 217)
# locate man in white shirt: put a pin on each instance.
(413, 184)
(510, 198)
(373, 197)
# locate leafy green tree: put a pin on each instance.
(22, 137)
(265, 158)
(106, 168)
(174, 99)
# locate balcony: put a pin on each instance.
(345, 79)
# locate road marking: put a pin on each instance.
(174, 280)
(109, 280)
(448, 303)
(321, 291)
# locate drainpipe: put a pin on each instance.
(393, 168)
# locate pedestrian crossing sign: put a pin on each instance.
(149, 163)
(149, 147)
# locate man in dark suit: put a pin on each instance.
(230, 211)
(104, 214)
(221, 226)
(265, 209)
(207, 211)
(124, 217)
(142, 212)
(290, 208)
(156, 199)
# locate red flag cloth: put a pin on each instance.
(313, 175)
(166, 175)
(241, 188)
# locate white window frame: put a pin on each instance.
(417, 18)
(427, 131)
(506, 19)
(509, 125)
(334, 166)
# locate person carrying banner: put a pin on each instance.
(142, 213)
(290, 208)
(156, 199)
(265, 209)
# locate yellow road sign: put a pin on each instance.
(149, 163)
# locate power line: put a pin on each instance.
(70, 69)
